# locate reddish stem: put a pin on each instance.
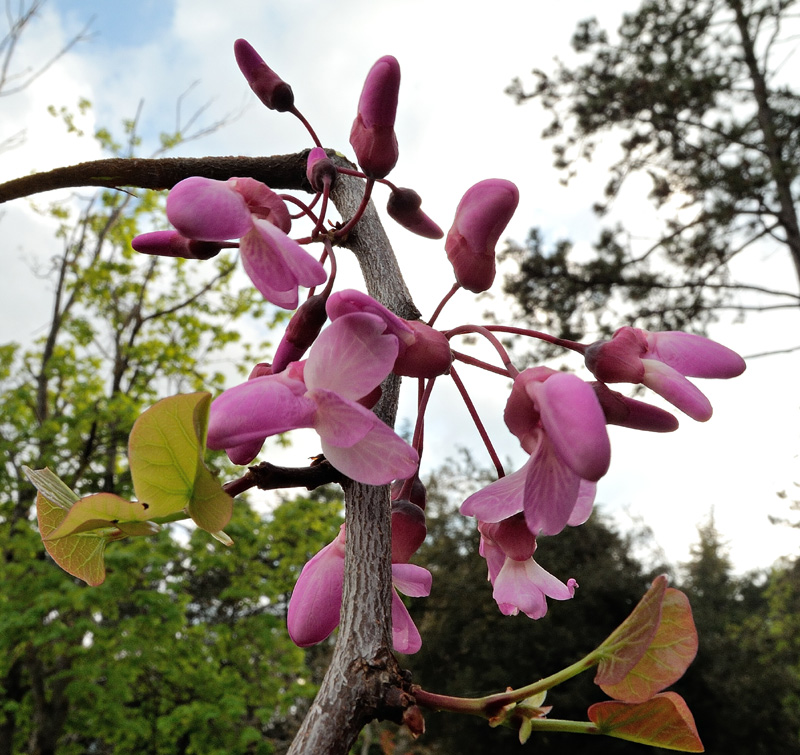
(449, 295)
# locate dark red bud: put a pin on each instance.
(273, 91)
(418, 495)
(408, 530)
(173, 244)
(320, 169)
(302, 331)
(404, 207)
(429, 355)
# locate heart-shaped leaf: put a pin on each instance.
(672, 649)
(98, 511)
(165, 452)
(662, 721)
(626, 645)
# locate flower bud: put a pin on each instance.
(372, 135)
(404, 207)
(481, 216)
(275, 93)
(627, 412)
(418, 494)
(320, 169)
(408, 530)
(620, 359)
(301, 332)
(172, 244)
(429, 355)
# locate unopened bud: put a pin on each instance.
(481, 216)
(628, 412)
(418, 494)
(404, 207)
(372, 135)
(320, 169)
(273, 91)
(302, 331)
(408, 530)
(172, 244)
(429, 355)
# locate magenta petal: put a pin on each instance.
(523, 586)
(575, 424)
(493, 553)
(263, 202)
(405, 635)
(338, 421)
(583, 505)
(676, 389)
(246, 452)
(499, 500)
(257, 409)
(351, 356)
(694, 356)
(412, 580)
(382, 456)
(209, 210)
(512, 536)
(316, 601)
(350, 300)
(306, 270)
(551, 491)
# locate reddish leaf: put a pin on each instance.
(626, 645)
(672, 650)
(662, 721)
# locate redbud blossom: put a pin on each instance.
(301, 331)
(662, 361)
(372, 135)
(316, 601)
(408, 530)
(172, 244)
(481, 216)
(320, 169)
(404, 207)
(520, 584)
(429, 355)
(275, 93)
(348, 360)
(246, 452)
(209, 210)
(560, 423)
(628, 412)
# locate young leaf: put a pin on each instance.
(626, 645)
(663, 721)
(672, 650)
(79, 555)
(96, 511)
(165, 452)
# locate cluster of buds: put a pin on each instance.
(353, 342)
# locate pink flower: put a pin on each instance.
(481, 216)
(372, 135)
(347, 362)
(662, 361)
(243, 208)
(520, 584)
(317, 598)
(560, 423)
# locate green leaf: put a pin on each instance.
(79, 555)
(52, 486)
(673, 648)
(663, 721)
(165, 452)
(626, 645)
(99, 510)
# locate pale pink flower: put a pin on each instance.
(208, 210)
(560, 423)
(481, 216)
(347, 362)
(316, 601)
(520, 584)
(662, 362)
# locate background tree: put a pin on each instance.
(696, 96)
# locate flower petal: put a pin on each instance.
(675, 388)
(694, 356)
(551, 491)
(405, 635)
(523, 586)
(498, 500)
(412, 580)
(338, 421)
(351, 356)
(583, 506)
(575, 423)
(382, 456)
(257, 409)
(208, 210)
(316, 601)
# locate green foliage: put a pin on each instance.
(696, 99)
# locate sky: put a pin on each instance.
(455, 127)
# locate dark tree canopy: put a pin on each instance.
(698, 96)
